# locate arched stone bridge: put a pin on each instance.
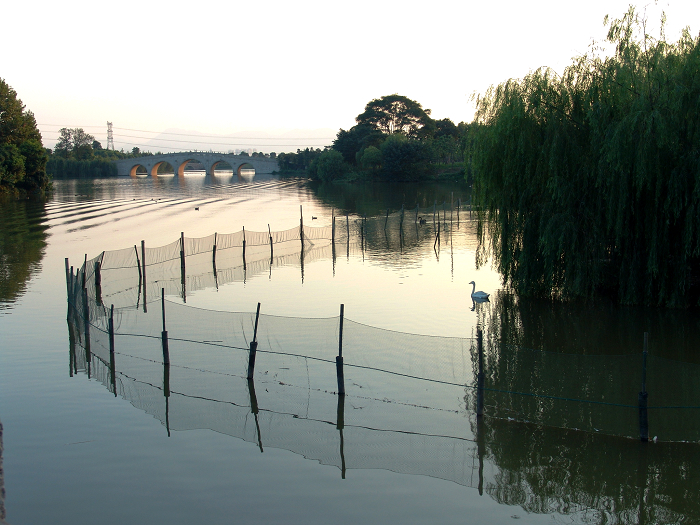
(210, 161)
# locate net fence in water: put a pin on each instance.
(598, 394)
(134, 276)
(409, 405)
(410, 400)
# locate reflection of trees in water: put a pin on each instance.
(587, 477)
(374, 199)
(547, 452)
(578, 365)
(598, 479)
(22, 244)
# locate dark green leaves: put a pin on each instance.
(590, 181)
(22, 156)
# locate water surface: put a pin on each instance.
(76, 453)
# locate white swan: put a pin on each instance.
(478, 296)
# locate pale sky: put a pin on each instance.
(266, 68)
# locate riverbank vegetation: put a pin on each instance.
(22, 155)
(78, 154)
(395, 139)
(589, 181)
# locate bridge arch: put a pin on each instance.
(181, 168)
(164, 164)
(217, 165)
(245, 170)
(134, 171)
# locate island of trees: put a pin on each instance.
(395, 139)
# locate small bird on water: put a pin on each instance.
(478, 296)
(197, 208)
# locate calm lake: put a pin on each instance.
(123, 439)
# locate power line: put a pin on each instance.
(230, 144)
(205, 142)
(190, 134)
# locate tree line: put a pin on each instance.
(78, 154)
(394, 139)
(589, 181)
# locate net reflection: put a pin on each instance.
(398, 418)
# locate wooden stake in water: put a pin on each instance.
(164, 333)
(143, 262)
(301, 227)
(253, 346)
(269, 232)
(110, 328)
(182, 266)
(98, 273)
(480, 377)
(254, 409)
(138, 264)
(643, 396)
(481, 451)
(362, 233)
(68, 281)
(84, 270)
(182, 251)
(243, 248)
(339, 358)
(333, 227)
(213, 253)
(386, 221)
(112, 365)
(333, 239)
(340, 424)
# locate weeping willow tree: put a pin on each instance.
(589, 182)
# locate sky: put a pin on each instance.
(225, 75)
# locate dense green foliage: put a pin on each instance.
(328, 166)
(22, 155)
(394, 140)
(61, 168)
(397, 114)
(403, 158)
(590, 181)
(78, 154)
(299, 161)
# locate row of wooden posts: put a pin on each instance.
(253, 346)
(141, 261)
(340, 416)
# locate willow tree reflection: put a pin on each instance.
(561, 422)
(591, 478)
